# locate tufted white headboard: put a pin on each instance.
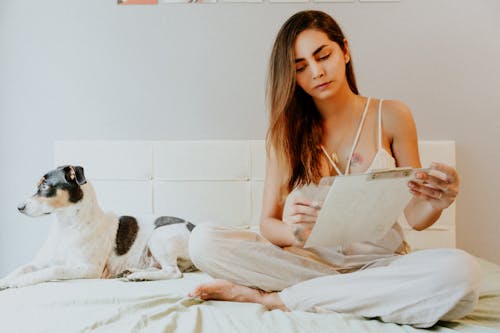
(217, 181)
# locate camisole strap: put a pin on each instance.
(380, 125)
(356, 139)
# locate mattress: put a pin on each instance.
(93, 305)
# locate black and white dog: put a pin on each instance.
(85, 242)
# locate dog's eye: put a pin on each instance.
(44, 187)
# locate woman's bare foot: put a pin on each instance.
(224, 290)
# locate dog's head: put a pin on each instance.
(58, 189)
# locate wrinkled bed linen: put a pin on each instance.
(163, 306)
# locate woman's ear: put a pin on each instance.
(347, 52)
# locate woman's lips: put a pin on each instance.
(323, 85)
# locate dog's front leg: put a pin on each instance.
(59, 272)
(15, 274)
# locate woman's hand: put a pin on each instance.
(439, 187)
(301, 216)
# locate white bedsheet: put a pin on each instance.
(162, 306)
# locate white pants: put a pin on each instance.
(418, 289)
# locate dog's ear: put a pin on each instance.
(75, 174)
(80, 176)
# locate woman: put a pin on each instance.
(321, 126)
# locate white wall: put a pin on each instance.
(90, 69)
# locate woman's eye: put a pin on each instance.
(300, 69)
(324, 57)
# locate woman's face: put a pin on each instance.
(319, 64)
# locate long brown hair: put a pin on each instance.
(295, 125)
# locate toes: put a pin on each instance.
(196, 292)
(203, 292)
(212, 290)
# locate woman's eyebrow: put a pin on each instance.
(314, 53)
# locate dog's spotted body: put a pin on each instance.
(85, 242)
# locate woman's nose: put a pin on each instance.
(317, 70)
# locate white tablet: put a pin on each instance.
(361, 207)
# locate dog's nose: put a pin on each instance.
(21, 207)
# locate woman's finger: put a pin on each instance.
(306, 210)
(423, 178)
(307, 202)
(451, 175)
(302, 201)
(428, 191)
(301, 218)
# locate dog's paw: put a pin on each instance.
(133, 280)
(135, 277)
(5, 286)
(123, 275)
(155, 275)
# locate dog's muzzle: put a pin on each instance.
(21, 207)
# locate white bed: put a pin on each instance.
(218, 181)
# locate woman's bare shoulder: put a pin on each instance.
(394, 109)
(396, 117)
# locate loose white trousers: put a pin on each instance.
(418, 289)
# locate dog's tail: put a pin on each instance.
(168, 220)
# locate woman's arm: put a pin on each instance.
(289, 228)
(428, 199)
(271, 225)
